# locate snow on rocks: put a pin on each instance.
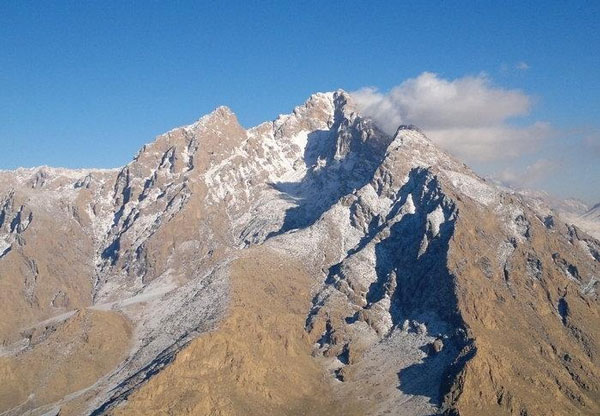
(473, 187)
(370, 215)
(4, 247)
(435, 219)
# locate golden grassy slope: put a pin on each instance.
(257, 363)
(528, 362)
(70, 356)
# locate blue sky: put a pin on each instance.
(85, 84)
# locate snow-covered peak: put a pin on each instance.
(411, 133)
(374, 218)
(316, 112)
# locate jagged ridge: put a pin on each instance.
(418, 265)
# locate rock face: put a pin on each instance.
(571, 211)
(309, 265)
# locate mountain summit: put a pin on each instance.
(309, 265)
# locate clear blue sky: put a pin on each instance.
(85, 84)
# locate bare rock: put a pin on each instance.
(437, 346)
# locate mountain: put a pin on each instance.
(309, 265)
(587, 219)
(590, 221)
(593, 213)
(569, 207)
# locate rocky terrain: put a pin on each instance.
(589, 220)
(571, 211)
(309, 265)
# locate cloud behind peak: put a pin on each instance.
(468, 116)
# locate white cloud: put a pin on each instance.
(468, 116)
(522, 66)
(536, 172)
(492, 143)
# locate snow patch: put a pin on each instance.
(435, 219)
(4, 247)
(474, 188)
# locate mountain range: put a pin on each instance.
(310, 265)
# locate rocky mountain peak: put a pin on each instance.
(383, 272)
(220, 118)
